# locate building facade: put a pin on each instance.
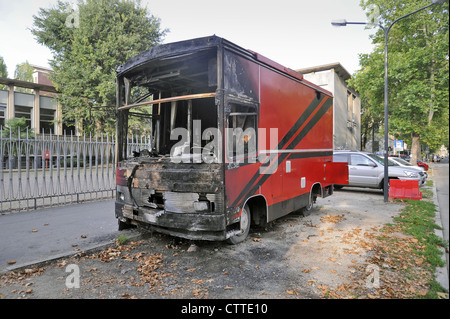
(37, 104)
(347, 104)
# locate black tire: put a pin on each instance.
(306, 211)
(124, 225)
(245, 220)
(382, 185)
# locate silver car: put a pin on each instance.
(367, 169)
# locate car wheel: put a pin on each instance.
(382, 185)
(245, 227)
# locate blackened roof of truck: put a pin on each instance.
(170, 49)
(198, 44)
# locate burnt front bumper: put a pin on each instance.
(195, 226)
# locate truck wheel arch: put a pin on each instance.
(316, 191)
(258, 208)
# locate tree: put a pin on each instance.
(24, 71)
(17, 127)
(418, 73)
(3, 68)
(88, 44)
(3, 71)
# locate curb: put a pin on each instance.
(441, 272)
(90, 249)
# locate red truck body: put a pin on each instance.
(245, 98)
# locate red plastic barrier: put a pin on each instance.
(404, 189)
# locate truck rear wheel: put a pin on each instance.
(306, 211)
(245, 227)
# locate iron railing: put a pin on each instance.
(47, 170)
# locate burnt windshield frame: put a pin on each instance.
(209, 49)
(241, 144)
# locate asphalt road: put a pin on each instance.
(34, 236)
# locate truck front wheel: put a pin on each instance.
(244, 225)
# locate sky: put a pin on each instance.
(294, 33)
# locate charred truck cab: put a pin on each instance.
(236, 139)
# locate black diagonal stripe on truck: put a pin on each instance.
(312, 106)
(294, 143)
(310, 154)
(308, 111)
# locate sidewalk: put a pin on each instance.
(442, 275)
(35, 236)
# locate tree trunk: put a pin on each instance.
(415, 148)
(433, 85)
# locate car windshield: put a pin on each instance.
(381, 160)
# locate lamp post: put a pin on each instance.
(343, 23)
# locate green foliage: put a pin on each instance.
(418, 72)
(88, 45)
(24, 71)
(17, 127)
(417, 220)
(121, 240)
(3, 71)
(3, 68)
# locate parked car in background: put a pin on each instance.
(367, 169)
(402, 156)
(408, 158)
(423, 174)
(423, 164)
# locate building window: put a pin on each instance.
(2, 115)
(69, 128)
(46, 120)
(23, 111)
(349, 106)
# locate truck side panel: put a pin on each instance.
(303, 117)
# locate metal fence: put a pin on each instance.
(47, 170)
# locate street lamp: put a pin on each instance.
(343, 23)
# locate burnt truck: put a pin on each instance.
(236, 139)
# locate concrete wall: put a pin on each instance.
(346, 109)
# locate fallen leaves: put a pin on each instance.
(21, 277)
(332, 219)
(293, 292)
